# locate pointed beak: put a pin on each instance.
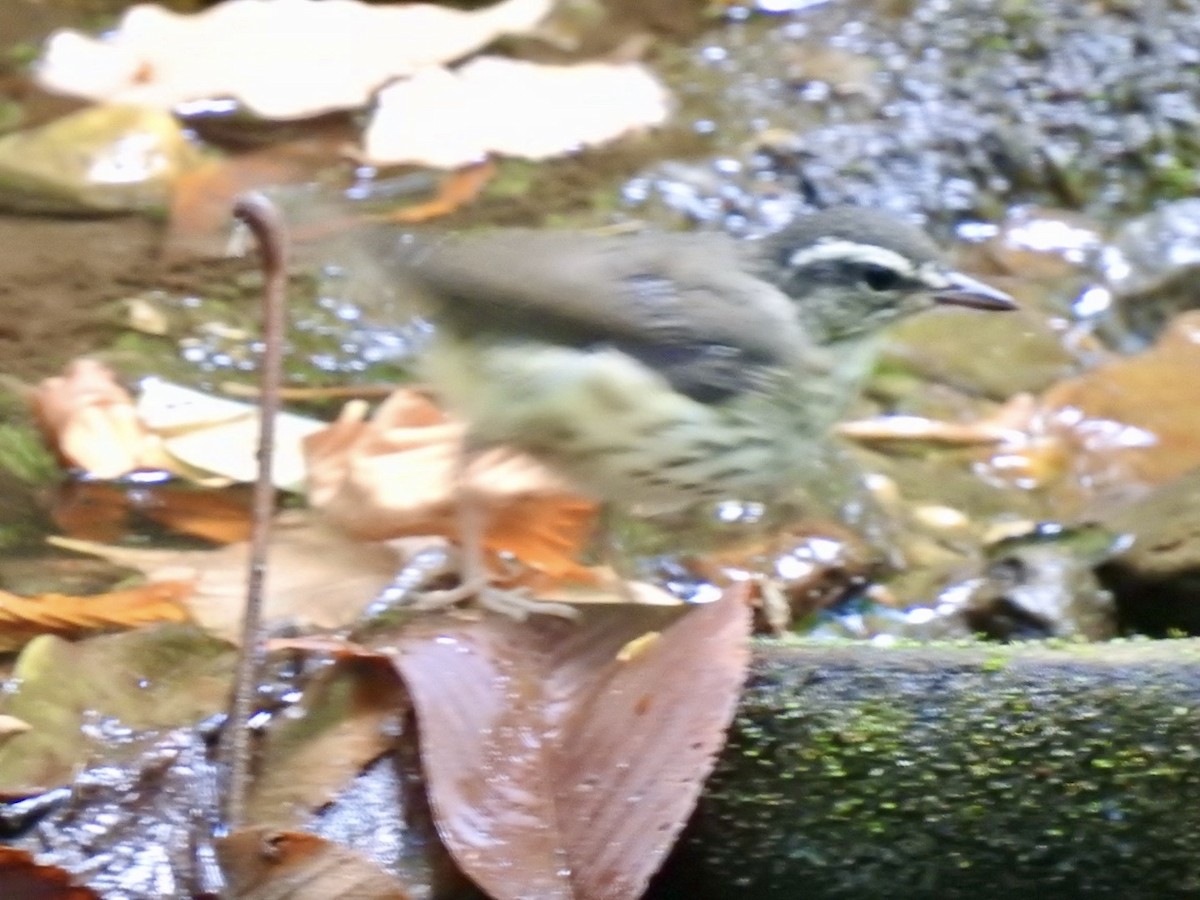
(963, 290)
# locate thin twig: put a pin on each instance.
(266, 224)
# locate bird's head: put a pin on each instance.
(853, 271)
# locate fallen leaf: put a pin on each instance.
(106, 698)
(328, 737)
(455, 191)
(111, 510)
(266, 54)
(511, 107)
(23, 618)
(1135, 417)
(558, 768)
(90, 420)
(21, 878)
(398, 474)
(201, 432)
(1112, 433)
(268, 864)
(316, 577)
(97, 426)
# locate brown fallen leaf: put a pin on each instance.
(397, 474)
(455, 191)
(23, 618)
(1112, 433)
(317, 577)
(21, 878)
(558, 767)
(268, 864)
(107, 511)
(339, 725)
(1135, 417)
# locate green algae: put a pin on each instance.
(954, 772)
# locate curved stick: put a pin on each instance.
(265, 222)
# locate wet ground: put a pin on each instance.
(59, 284)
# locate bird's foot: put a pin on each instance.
(517, 603)
(410, 591)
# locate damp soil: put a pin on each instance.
(62, 283)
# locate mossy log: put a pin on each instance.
(982, 771)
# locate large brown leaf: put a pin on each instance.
(564, 757)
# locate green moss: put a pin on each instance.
(24, 454)
(955, 773)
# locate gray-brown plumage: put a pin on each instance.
(663, 370)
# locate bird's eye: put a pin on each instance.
(880, 278)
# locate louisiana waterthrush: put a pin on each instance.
(659, 371)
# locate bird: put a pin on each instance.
(663, 371)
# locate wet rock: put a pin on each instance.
(1042, 585)
(103, 159)
(968, 108)
(1156, 579)
(1151, 268)
(1036, 586)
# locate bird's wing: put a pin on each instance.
(683, 304)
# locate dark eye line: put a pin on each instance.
(880, 278)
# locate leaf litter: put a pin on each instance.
(264, 54)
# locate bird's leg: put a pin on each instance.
(475, 582)
(612, 552)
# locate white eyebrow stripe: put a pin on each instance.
(933, 275)
(850, 251)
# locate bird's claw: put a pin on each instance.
(516, 603)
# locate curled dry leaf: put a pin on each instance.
(511, 107)
(398, 474)
(23, 618)
(283, 59)
(97, 426)
(90, 419)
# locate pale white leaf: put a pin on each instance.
(220, 436)
(282, 59)
(510, 107)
